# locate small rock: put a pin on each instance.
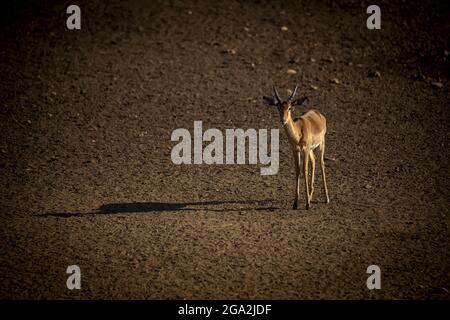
(374, 74)
(291, 71)
(143, 133)
(335, 80)
(246, 29)
(189, 12)
(314, 87)
(232, 51)
(284, 28)
(437, 84)
(312, 60)
(367, 186)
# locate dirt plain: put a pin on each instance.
(87, 178)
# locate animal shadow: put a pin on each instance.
(155, 207)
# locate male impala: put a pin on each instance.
(305, 134)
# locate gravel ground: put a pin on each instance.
(86, 175)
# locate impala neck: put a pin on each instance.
(291, 129)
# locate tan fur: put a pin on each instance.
(305, 134)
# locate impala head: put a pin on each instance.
(284, 106)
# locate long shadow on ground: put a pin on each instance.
(148, 207)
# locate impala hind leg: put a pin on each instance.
(313, 170)
(305, 173)
(322, 166)
(297, 178)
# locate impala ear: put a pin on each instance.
(267, 101)
(299, 101)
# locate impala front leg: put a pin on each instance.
(313, 170)
(297, 178)
(305, 173)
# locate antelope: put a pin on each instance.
(305, 134)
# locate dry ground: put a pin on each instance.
(87, 179)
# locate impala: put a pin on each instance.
(305, 134)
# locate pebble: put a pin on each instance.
(314, 87)
(437, 84)
(335, 80)
(374, 74)
(291, 71)
(284, 28)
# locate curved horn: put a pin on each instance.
(293, 93)
(276, 94)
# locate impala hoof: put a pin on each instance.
(295, 206)
(308, 206)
